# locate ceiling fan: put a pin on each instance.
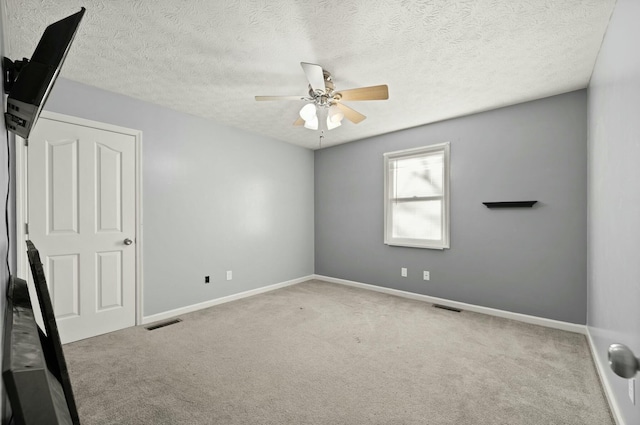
(325, 109)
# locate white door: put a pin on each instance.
(82, 219)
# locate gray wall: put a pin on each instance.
(614, 196)
(215, 199)
(530, 261)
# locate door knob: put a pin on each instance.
(622, 361)
(128, 241)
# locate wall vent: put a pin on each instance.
(446, 307)
(163, 324)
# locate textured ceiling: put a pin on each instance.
(440, 58)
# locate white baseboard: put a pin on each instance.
(549, 323)
(608, 391)
(206, 304)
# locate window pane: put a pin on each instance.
(417, 220)
(421, 176)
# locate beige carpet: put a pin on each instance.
(320, 353)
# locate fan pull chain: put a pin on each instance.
(321, 138)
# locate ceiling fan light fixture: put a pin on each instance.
(308, 113)
(331, 124)
(311, 124)
(324, 109)
(335, 115)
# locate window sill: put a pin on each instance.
(440, 247)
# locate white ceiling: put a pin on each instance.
(440, 58)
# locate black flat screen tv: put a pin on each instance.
(34, 78)
(34, 369)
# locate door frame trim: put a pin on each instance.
(22, 208)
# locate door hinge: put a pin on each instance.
(26, 228)
(26, 143)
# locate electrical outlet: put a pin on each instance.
(403, 272)
(426, 275)
(206, 279)
(632, 390)
(229, 274)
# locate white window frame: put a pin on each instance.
(418, 243)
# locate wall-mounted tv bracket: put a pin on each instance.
(11, 70)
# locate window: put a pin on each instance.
(416, 192)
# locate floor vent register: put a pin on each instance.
(446, 307)
(163, 324)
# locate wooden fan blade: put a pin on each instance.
(366, 93)
(350, 114)
(298, 122)
(314, 75)
(279, 98)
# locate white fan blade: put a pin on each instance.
(315, 76)
(350, 114)
(365, 93)
(259, 98)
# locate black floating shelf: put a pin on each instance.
(512, 204)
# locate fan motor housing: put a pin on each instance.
(327, 98)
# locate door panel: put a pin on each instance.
(81, 203)
(109, 280)
(62, 186)
(108, 185)
(64, 286)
